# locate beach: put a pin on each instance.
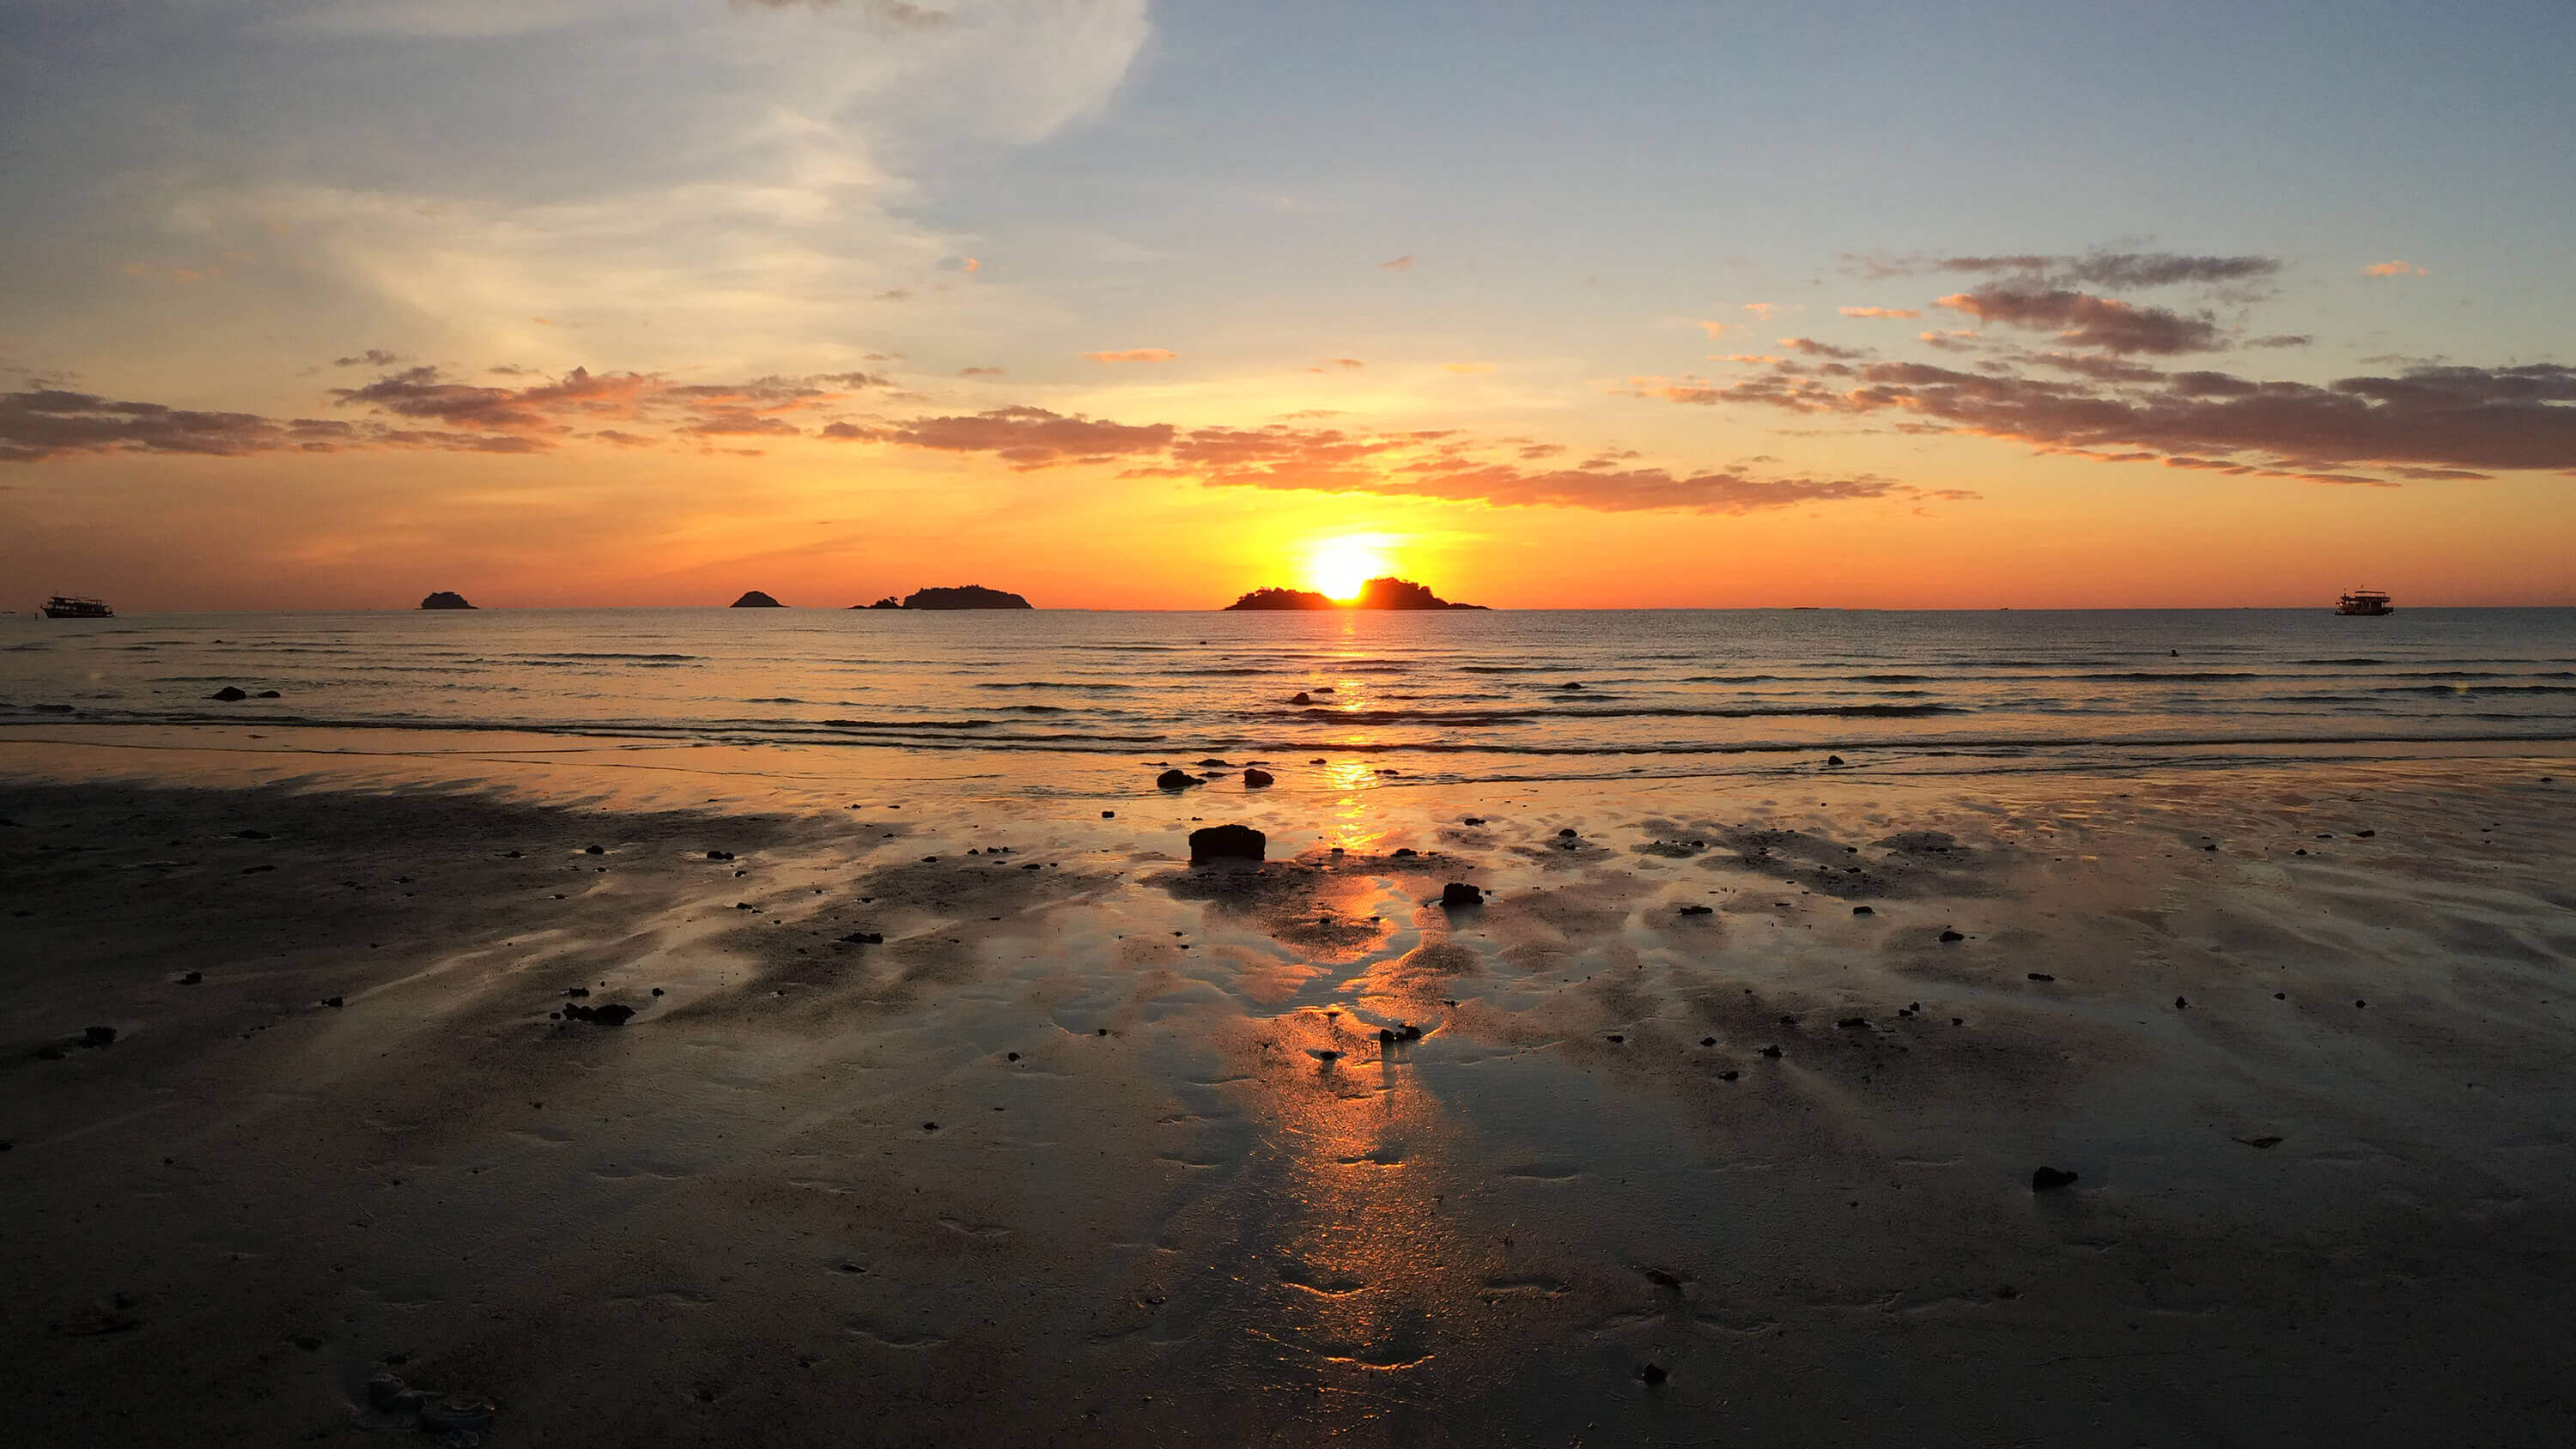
(957, 1111)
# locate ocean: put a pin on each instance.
(1071, 695)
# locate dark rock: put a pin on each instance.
(266, 694)
(594, 850)
(1301, 697)
(1011, 1056)
(229, 693)
(1698, 910)
(612, 1014)
(1833, 759)
(1108, 814)
(1227, 842)
(334, 1002)
(757, 600)
(2049, 1179)
(2180, 1004)
(1212, 763)
(1386, 1036)
(1854, 1023)
(1404, 852)
(1177, 780)
(964, 596)
(719, 855)
(1952, 936)
(192, 978)
(445, 599)
(1569, 684)
(929, 1126)
(1568, 833)
(2265, 1144)
(1788, 1021)
(1615, 1038)
(1652, 1373)
(1256, 779)
(864, 938)
(1863, 911)
(1458, 893)
(98, 1036)
(1408, 1032)
(1772, 1052)
(2360, 1004)
(576, 991)
(2041, 976)
(657, 991)
(1472, 820)
(1730, 1074)
(1708, 1041)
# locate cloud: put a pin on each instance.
(2437, 417)
(1760, 311)
(1812, 348)
(1435, 464)
(2394, 269)
(1904, 312)
(2122, 269)
(1027, 438)
(372, 357)
(979, 372)
(1134, 354)
(1345, 364)
(1713, 329)
(421, 407)
(2281, 339)
(1466, 367)
(1400, 264)
(2085, 320)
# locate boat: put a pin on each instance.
(2364, 601)
(75, 606)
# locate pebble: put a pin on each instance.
(2048, 1179)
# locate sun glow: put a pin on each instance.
(1337, 567)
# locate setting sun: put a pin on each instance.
(1337, 567)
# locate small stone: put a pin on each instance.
(1108, 814)
(1257, 779)
(2180, 1004)
(594, 850)
(1952, 936)
(2263, 1144)
(1854, 1023)
(1652, 1373)
(1566, 834)
(2049, 1179)
(267, 694)
(1708, 1041)
(1301, 697)
(719, 855)
(2367, 834)
(864, 938)
(1833, 759)
(657, 991)
(929, 1126)
(2360, 1004)
(576, 991)
(1863, 911)
(1458, 893)
(1772, 1052)
(192, 978)
(98, 1036)
(229, 693)
(1729, 1075)
(1405, 852)
(1176, 780)
(1615, 1038)
(2041, 976)
(333, 1002)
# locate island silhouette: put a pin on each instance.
(757, 600)
(1381, 593)
(445, 599)
(963, 596)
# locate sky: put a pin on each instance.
(331, 303)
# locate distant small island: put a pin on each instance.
(964, 596)
(445, 599)
(1387, 593)
(757, 600)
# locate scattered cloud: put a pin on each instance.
(1027, 438)
(1134, 354)
(2281, 339)
(1345, 364)
(1760, 311)
(1713, 329)
(2085, 320)
(2394, 269)
(1400, 264)
(1908, 313)
(372, 357)
(2093, 269)
(1812, 348)
(2453, 419)
(979, 372)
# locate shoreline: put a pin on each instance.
(1170, 1217)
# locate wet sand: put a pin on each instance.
(1095, 1146)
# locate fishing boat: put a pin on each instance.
(75, 606)
(2364, 601)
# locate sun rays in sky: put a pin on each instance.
(1336, 567)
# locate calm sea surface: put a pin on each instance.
(1474, 694)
